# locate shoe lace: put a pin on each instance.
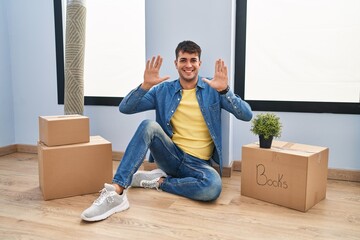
(104, 194)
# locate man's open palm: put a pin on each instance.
(151, 73)
(220, 80)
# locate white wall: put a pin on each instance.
(7, 134)
(32, 71)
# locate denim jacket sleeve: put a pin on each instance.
(138, 100)
(235, 105)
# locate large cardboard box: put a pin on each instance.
(77, 169)
(289, 174)
(64, 129)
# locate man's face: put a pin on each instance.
(188, 65)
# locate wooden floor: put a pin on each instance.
(159, 215)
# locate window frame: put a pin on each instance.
(277, 106)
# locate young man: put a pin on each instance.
(184, 138)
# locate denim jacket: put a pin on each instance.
(165, 99)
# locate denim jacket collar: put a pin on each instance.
(200, 84)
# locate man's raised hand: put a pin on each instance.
(220, 80)
(151, 73)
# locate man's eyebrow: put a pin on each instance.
(191, 59)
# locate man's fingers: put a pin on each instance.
(225, 70)
(219, 65)
(158, 62)
(152, 62)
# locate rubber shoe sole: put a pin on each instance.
(122, 207)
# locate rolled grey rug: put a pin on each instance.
(74, 57)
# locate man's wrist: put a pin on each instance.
(222, 92)
(145, 87)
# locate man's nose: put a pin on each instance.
(188, 64)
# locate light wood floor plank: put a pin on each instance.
(159, 215)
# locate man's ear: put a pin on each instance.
(175, 62)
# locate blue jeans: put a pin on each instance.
(188, 176)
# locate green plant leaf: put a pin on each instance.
(266, 124)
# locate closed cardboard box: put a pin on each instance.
(63, 129)
(289, 174)
(77, 169)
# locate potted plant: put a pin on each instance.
(267, 126)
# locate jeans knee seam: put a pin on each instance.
(165, 145)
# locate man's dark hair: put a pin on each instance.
(189, 47)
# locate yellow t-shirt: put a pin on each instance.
(190, 132)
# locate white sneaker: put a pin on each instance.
(108, 203)
(147, 179)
